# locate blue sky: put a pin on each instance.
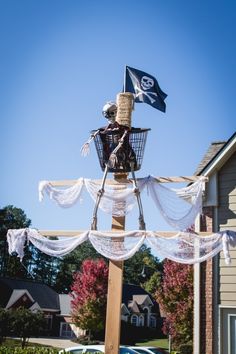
(62, 60)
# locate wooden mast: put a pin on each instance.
(114, 294)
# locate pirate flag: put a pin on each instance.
(145, 88)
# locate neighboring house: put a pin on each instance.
(66, 328)
(138, 307)
(32, 295)
(215, 282)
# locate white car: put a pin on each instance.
(149, 350)
(83, 349)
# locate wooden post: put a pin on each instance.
(114, 294)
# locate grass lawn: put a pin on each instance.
(162, 343)
(12, 343)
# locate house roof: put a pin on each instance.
(133, 306)
(213, 149)
(130, 290)
(46, 297)
(65, 306)
(217, 153)
(16, 294)
(140, 299)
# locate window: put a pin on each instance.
(141, 321)
(66, 330)
(228, 330)
(48, 322)
(134, 320)
(232, 325)
(153, 322)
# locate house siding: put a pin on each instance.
(227, 220)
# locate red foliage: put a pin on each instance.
(175, 297)
(90, 283)
(89, 295)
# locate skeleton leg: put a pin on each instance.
(142, 225)
(99, 196)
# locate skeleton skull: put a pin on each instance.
(147, 83)
(109, 111)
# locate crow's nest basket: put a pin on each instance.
(129, 156)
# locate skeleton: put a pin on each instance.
(122, 156)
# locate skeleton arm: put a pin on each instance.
(85, 149)
(113, 157)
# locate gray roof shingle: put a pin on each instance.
(46, 297)
(212, 151)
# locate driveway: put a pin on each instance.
(54, 342)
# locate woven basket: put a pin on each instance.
(124, 102)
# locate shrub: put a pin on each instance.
(186, 348)
(25, 324)
(29, 350)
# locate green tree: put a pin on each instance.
(141, 267)
(153, 283)
(25, 323)
(5, 320)
(44, 268)
(11, 218)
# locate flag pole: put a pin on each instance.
(124, 86)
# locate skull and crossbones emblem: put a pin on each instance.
(146, 84)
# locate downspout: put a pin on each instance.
(196, 298)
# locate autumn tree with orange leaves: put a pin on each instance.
(175, 297)
(89, 295)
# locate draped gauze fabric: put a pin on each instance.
(63, 197)
(184, 247)
(179, 207)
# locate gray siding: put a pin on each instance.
(227, 220)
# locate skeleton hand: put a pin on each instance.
(85, 149)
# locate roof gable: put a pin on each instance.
(133, 293)
(216, 156)
(19, 296)
(124, 310)
(133, 306)
(143, 300)
(46, 297)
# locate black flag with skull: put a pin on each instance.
(145, 88)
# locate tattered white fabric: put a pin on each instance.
(190, 248)
(119, 246)
(184, 247)
(179, 207)
(58, 248)
(63, 197)
(117, 200)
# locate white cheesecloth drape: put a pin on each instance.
(184, 247)
(179, 207)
